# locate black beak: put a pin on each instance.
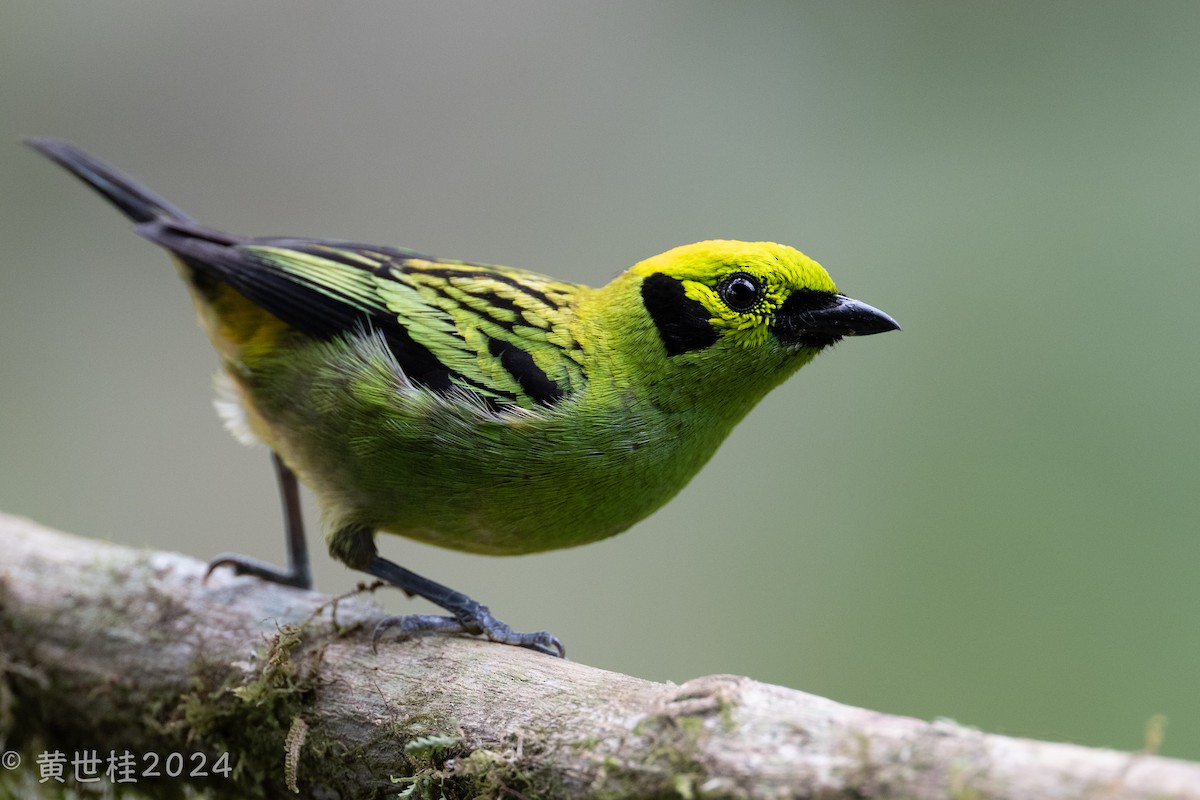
(817, 319)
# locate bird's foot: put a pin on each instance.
(466, 615)
(476, 621)
(244, 565)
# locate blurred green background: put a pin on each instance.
(991, 516)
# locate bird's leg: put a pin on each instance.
(298, 573)
(469, 616)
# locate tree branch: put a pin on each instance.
(112, 649)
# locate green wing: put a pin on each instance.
(500, 333)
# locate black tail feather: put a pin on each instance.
(138, 203)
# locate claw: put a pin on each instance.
(298, 573)
(244, 565)
(469, 616)
(482, 625)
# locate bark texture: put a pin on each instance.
(110, 648)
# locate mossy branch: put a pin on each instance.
(109, 648)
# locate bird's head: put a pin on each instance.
(719, 323)
(731, 295)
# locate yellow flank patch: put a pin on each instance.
(239, 329)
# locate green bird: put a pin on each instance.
(479, 407)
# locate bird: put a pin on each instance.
(478, 407)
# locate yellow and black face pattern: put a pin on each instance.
(748, 294)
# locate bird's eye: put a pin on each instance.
(740, 291)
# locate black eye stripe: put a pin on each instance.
(740, 291)
(682, 322)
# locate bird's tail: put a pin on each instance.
(137, 202)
